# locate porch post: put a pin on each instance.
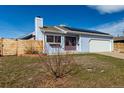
(63, 43)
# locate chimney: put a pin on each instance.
(38, 23)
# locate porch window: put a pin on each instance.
(70, 43)
(53, 39)
(58, 39)
(50, 38)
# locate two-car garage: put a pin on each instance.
(100, 45)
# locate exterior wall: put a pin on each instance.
(39, 35)
(85, 39)
(52, 50)
(112, 45)
(82, 43)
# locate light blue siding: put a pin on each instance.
(82, 42)
(85, 39)
(39, 35)
(52, 50)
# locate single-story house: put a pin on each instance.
(119, 39)
(69, 39)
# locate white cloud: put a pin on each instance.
(115, 28)
(108, 8)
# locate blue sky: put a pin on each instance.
(15, 21)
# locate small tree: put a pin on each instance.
(59, 65)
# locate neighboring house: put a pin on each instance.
(119, 44)
(119, 39)
(68, 39)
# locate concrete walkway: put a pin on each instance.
(114, 54)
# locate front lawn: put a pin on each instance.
(93, 70)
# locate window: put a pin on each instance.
(58, 39)
(53, 39)
(70, 41)
(50, 38)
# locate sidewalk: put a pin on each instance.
(114, 54)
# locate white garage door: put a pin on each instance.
(100, 46)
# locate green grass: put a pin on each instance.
(93, 70)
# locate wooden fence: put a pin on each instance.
(19, 47)
(119, 47)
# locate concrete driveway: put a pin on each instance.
(114, 54)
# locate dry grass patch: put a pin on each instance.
(90, 70)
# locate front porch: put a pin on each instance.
(70, 43)
(62, 44)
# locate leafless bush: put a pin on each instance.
(59, 65)
(31, 50)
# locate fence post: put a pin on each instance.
(17, 47)
(2, 45)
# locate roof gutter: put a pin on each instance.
(72, 32)
(84, 33)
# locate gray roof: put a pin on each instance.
(27, 36)
(58, 29)
(50, 29)
(65, 30)
(119, 38)
(83, 30)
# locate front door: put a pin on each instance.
(70, 43)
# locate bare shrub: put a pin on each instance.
(59, 65)
(31, 49)
(46, 82)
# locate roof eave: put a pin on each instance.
(51, 31)
(84, 33)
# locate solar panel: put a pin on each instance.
(84, 30)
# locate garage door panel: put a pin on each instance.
(100, 46)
